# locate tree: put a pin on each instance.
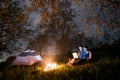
(56, 23)
(110, 10)
(61, 27)
(40, 43)
(98, 20)
(12, 19)
(81, 22)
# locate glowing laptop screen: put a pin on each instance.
(75, 55)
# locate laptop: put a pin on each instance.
(75, 55)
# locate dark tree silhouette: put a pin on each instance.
(12, 19)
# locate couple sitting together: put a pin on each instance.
(82, 54)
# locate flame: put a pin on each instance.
(50, 66)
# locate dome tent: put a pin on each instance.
(28, 57)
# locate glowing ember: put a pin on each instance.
(50, 66)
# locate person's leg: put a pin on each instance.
(71, 62)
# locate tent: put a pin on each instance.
(28, 57)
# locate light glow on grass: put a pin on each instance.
(50, 66)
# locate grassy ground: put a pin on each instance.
(105, 65)
(104, 69)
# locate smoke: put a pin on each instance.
(33, 14)
(49, 54)
(34, 18)
(26, 3)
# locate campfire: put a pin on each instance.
(50, 66)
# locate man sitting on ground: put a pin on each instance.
(82, 54)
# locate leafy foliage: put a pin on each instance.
(57, 24)
(65, 23)
(11, 20)
(102, 22)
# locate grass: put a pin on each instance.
(105, 66)
(104, 69)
